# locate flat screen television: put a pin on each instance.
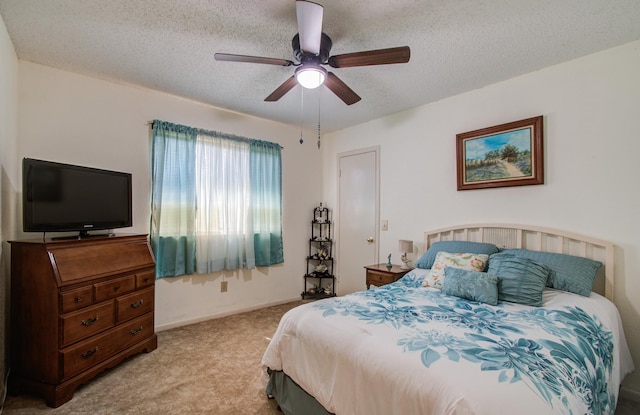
(61, 197)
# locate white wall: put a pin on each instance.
(591, 108)
(8, 178)
(76, 119)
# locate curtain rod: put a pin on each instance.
(150, 123)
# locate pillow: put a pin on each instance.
(471, 285)
(520, 280)
(470, 262)
(567, 272)
(427, 259)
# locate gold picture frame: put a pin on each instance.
(504, 155)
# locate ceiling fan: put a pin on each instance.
(311, 49)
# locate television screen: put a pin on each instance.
(62, 197)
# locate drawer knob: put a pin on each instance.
(78, 299)
(136, 331)
(137, 304)
(89, 353)
(89, 321)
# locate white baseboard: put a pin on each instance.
(200, 319)
(629, 394)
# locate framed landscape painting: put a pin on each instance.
(505, 155)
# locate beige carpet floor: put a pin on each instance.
(211, 367)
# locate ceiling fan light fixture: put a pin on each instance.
(311, 76)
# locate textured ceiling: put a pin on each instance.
(456, 46)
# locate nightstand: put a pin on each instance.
(379, 274)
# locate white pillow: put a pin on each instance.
(469, 262)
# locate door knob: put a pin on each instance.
(370, 239)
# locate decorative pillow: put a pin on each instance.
(567, 272)
(471, 285)
(427, 259)
(520, 280)
(470, 262)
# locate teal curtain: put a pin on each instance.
(173, 198)
(266, 202)
(216, 201)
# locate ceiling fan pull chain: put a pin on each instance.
(301, 112)
(319, 94)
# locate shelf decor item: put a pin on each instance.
(319, 281)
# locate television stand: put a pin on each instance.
(78, 308)
(84, 235)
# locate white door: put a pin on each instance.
(357, 239)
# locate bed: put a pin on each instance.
(521, 333)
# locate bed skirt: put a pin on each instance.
(291, 398)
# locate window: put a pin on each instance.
(216, 201)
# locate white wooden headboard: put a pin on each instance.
(536, 239)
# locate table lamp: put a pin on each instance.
(405, 246)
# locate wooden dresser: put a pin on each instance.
(378, 274)
(78, 307)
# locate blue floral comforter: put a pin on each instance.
(406, 349)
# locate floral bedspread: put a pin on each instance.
(403, 348)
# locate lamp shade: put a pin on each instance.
(405, 246)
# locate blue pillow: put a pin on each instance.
(471, 285)
(454, 247)
(520, 280)
(567, 272)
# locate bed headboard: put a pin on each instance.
(536, 239)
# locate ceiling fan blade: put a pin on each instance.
(285, 87)
(309, 25)
(341, 89)
(228, 57)
(400, 54)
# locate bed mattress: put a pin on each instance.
(404, 348)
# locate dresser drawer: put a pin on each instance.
(113, 288)
(96, 349)
(145, 278)
(75, 299)
(379, 278)
(134, 304)
(81, 324)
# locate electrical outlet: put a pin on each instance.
(223, 287)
